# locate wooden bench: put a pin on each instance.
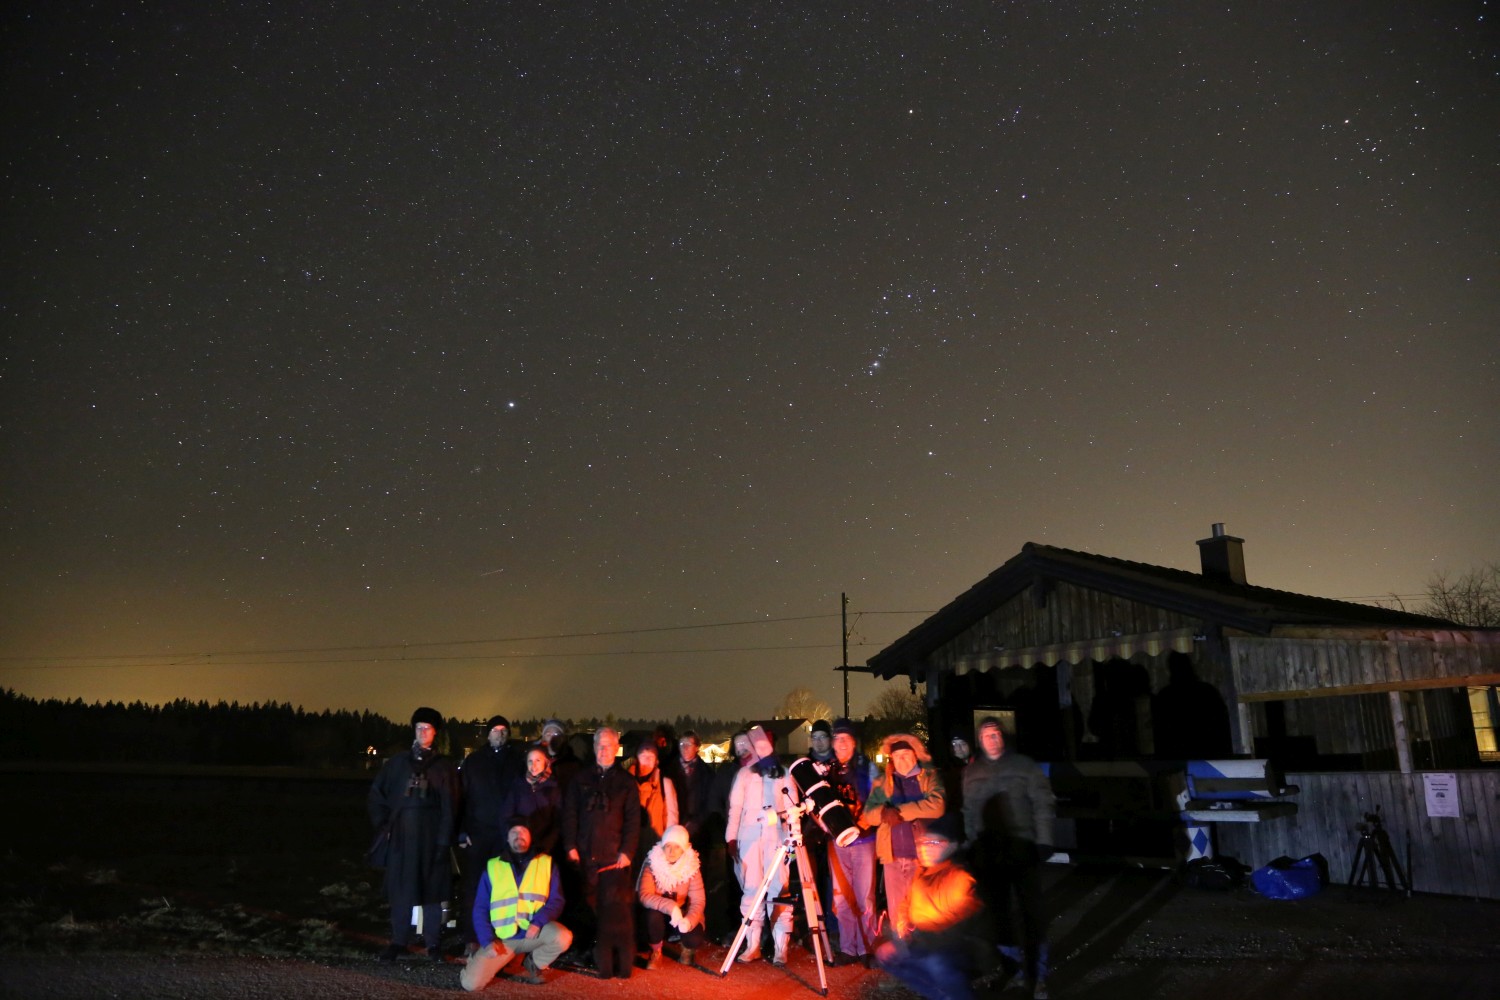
(1234, 791)
(1181, 799)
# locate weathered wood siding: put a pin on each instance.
(1356, 724)
(1439, 726)
(1062, 612)
(1297, 667)
(1066, 613)
(1454, 856)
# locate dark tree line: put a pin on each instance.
(265, 734)
(708, 730)
(191, 732)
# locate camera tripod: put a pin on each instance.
(812, 906)
(1374, 847)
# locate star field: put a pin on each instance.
(336, 327)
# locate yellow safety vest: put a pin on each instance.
(512, 907)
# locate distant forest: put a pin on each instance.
(260, 734)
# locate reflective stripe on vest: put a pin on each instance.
(512, 908)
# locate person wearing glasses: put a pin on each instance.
(415, 798)
(946, 937)
(852, 866)
(910, 791)
(694, 782)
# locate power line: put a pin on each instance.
(450, 642)
(211, 660)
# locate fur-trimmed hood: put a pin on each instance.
(928, 804)
(920, 748)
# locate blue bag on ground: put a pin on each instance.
(1284, 878)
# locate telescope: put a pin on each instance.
(822, 803)
(807, 776)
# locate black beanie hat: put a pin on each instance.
(427, 715)
(946, 826)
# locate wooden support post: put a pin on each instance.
(1065, 709)
(1398, 723)
(1244, 739)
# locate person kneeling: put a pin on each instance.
(515, 913)
(671, 891)
(944, 920)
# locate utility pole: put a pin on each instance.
(844, 630)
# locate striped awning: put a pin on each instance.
(1098, 650)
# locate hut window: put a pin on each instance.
(1484, 707)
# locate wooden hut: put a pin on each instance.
(1091, 658)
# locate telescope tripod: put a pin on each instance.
(812, 906)
(1374, 847)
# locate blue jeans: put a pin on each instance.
(936, 975)
(856, 918)
(899, 873)
(1017, 955)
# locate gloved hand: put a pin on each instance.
(676, 916)
(890, 815)
(1044, 851)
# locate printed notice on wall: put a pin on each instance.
(1442, 794)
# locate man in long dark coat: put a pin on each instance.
(415, 797)
(694, 782)
(487, 774)
(601, 831)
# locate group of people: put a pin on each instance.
(553, 852)
(607, 859)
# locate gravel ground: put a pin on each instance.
(1119, 934)
(139, 977)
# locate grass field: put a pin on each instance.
(165, 862)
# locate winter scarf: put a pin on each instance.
(672, 879)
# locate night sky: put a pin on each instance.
(339, 338)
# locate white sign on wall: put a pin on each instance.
(1442, 794)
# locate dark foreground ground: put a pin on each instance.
(123, 890)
